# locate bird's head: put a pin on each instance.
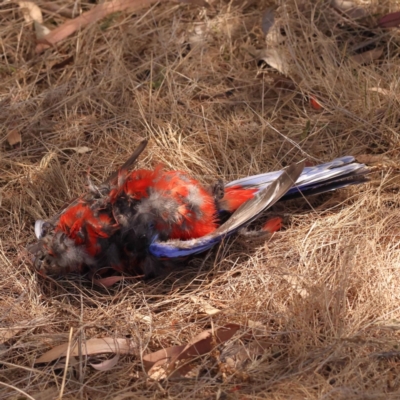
(55, 253)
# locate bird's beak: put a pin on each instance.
(39, 228)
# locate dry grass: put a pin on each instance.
(326, 289)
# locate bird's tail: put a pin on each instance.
(321, 178)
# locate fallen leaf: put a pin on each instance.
(162, 356)
(91, 346)
(107, 364)
(72, 363)
(201, 344)
(97, 13)
(368, 56)
(390, 20)
(350, 8)
(13, 137)
(30, 11)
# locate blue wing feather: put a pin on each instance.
(242, 216)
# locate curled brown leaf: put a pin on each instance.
(390, 20)
(92, 346)
(97, 13)
(201, 344)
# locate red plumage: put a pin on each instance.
(182, 207)
(117, 224)
(85, 226)
(113, 225)
(235, 196)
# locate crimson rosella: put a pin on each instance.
(138, 220)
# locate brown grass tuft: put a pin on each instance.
(324, 292)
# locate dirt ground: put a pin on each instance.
(318, 302)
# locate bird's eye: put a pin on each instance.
(39, 232)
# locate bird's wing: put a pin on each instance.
(339, 168)
(246, 213)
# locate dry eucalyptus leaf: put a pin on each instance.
(97, 13)
(14, 137)
(31, 11)
(390, 20)
(162, 356)
(203, 343)
(91, 346)
(72, 363)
